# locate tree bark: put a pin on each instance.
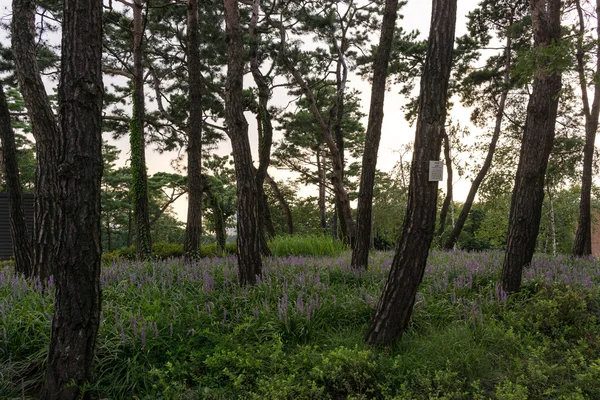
(338, 133)
(193, 228)
(139, 176)
(487, 163)
(336, 158)
(396, 303)
(283, 203)
(321, 170)
(583, 237)
(552, 219)
(449, 196)
(528, 193)
(21, 240)
(46, 133)
(248, 222)
(360, 252)
(219, 218)
(265, 139)
(77, 305)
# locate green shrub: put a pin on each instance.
(306, 245)
(162, 250)
(211, 250)
(126, 253)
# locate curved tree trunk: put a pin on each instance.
(248, 222)
(528, 193)
(360, 252)
(284, 204)
(193, 228)
(139, 177)
(77, 305)
(337, 179)
(265, 129)
(46, 133)
(396, 303)
(21, 241)
(583, 237)
(464, 213)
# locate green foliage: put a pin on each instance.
(172, 330)
(306, 245)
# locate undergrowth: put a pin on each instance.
(175, 330)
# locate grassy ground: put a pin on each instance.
(172, 330)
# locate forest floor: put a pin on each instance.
(172, 330)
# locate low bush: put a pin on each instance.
(306, 245)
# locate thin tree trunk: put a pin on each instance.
(265, 140)
(364, 219)
(193, 228)
(108, 234)
(264, 212)
(528, 193)
(396, 303)
(336, 158)
(46, 133)
(220, 232)
(283, 203)
(449, 196)
(464, 213)
(77, 306)
(552, 219)
(139, 178)
(321, 170)
(338, 133)
(583, 237)
(129, 230)
(248, 222)
(21, 241)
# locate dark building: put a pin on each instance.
(6, 247)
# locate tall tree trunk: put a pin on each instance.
(396, 304)
(321, 170)
(583, 237)
(139, 176)
(552, 219)
(336, 158)
(193, 228)
(487, 163)
(265, 127)
(528, 193)
(360, 252)
(338, 133)
(248, 222)
(283, 203)
(46, 133)
(449, 196)
(220, 232)
(21, 241)
(77, 306)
